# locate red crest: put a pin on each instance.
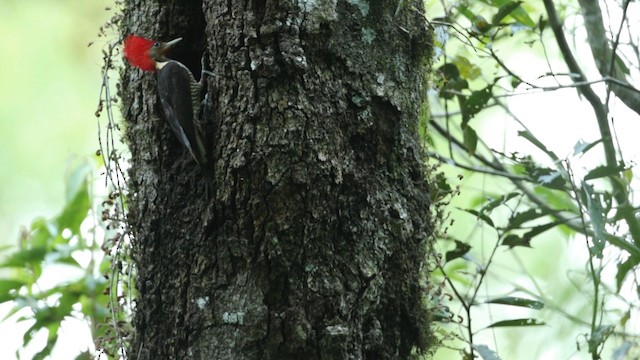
(136, 51)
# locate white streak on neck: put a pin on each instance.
(160, 65)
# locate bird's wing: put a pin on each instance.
(174, 90)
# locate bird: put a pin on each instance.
(178, 91)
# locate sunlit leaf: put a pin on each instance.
(518, 14)
(25, 258)
(466, 12)
(76, 180)
(7, 286)
(505, 10)
(558, 200)
(467, 69)
(517, 301)
(75, 211)
(41, 233)
(517, 322)
(457, 270)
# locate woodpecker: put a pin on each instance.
(178, 91)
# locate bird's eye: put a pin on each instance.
(157, 44)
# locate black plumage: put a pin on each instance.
(179, 95)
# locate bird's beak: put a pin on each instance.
(168, 45)
(172, 42)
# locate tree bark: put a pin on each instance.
(312, 244)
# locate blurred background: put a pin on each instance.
(50, 87)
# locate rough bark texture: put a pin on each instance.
(312, 244)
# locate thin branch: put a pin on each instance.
(597, 38)
(620, 193)
(476, 169)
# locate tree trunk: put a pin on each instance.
(312, 243)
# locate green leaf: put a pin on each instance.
(520, 218)
(517, 322)
(594, 207)
(459, 251)
(604, 171)
(557, 200)
(6, 286)
(86, 355)
(620, 64)
(75, 211)
(466, 68)
(457, 271)
(513, 240)
(505, 10)
(518, 14)
(25, 258)
(52, 338)
(534, 140)
(449, 71)
(452, 81)
(582, 147)
(515, 81)
(480, 215)
(42, 231)
(552, 179)
(464, 10)
(475, 103)
(470, 139)
(623, 270)
(501, 200)
(76, 181)
(517, 301)
(537, 230)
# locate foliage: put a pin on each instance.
(580, 200)
(69, 243)
(88, 239)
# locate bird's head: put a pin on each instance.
(146, 54)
